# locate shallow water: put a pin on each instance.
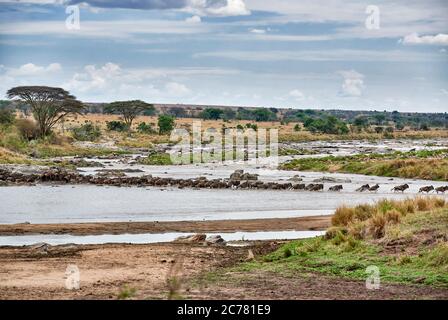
(150, 238)
(87, 203)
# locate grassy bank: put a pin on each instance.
(431, 165)
(406, 240)
(303, 136)
(17, 150)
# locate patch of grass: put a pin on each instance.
(342, 252)
(427, 164)
(126, 293)
(157, 159)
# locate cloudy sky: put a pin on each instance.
(373, 55)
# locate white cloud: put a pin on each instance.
(257, 31)
(321, 55)
(208, 8)
(111, 29)
(353, 83)
(444, 91)
(31, 69)
(297, 95)
(177, 89)
(194, 19)
(414, 38)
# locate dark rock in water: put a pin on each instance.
(331, 179)
(196, 238)
(295, 178)
(239, 175)
(217, 239)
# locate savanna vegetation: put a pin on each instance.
(406, 240)
(430, 165)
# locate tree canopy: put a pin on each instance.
(49, 105)
(129, 110)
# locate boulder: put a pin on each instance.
(216, 239)
(196, 238)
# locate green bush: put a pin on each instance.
(87, 132)
(166, 124)
(6, 116)
(145, 128)
(28, 129)
(329, 125)
(119, 126)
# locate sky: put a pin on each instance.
(317, 54)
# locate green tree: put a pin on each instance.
(129, 110)
(7, 116)
(263, 114)
(166, 124)
(49, 105)
(212, 114)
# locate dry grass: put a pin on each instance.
(286, 130)
(364, 221)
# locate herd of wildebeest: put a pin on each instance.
(237, 180)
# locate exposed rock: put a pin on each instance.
(332, 179)
(295, 178)
(217, 239)
(196, 238)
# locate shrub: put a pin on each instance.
(377, 225)
(252, 126)
(28, 129)
(166, 124)
(393, 216)
(297, 127)
(439, 256)
(343, 216)
(87, 132)
(119, 126)
(6, 116)
(145, 128)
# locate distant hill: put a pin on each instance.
(413, 119)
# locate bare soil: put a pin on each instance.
(143, 271)
(298, 224)
(266, 285)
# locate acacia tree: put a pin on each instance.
(129, 110)
(49, 105)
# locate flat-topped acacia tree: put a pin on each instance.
(49, 105)
(129, 110)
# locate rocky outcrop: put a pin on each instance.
(64, 176)
(239, 175)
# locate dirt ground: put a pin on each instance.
(307, 286)
(153, 271)
(298, 224)
(106, 270)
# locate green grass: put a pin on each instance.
(419, 240)
(425, 164)
(17, 150)
(350, 258)
(157, 159)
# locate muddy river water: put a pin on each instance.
(89, 203)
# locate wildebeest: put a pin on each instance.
(363, 188)
(442, 189)
(314, 187)
(401, 188)
(300, 186)
(426, 189)
(336, 188)
(374, 188)
(317, 187)
(309, 187)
